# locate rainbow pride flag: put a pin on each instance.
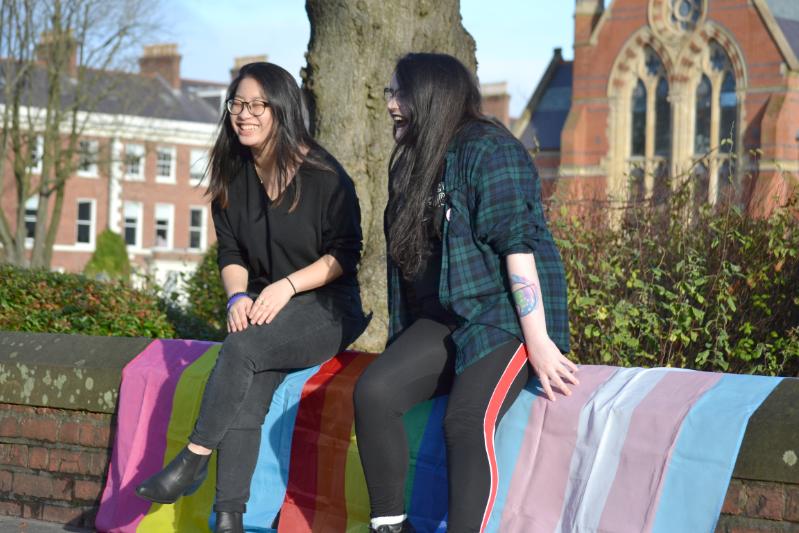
(631, 450)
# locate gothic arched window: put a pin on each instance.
(716, 126)
(649, 158)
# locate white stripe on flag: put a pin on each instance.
(600, 437)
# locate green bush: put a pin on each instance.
(110, 258)
(41, 301)
(716, 293)
(203, 315)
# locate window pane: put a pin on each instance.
(638, 132)
(31, 206)
(84, 231)
(161, 234)
(637, 185)
(662, 120)
(84, 211)
(726, 185)
(662, 186)
(196, 218)
(703, 103)
(728, 104)
(130, 233)
(701, 181)
(164, 163)
(194, 239)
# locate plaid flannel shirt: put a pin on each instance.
(493, 209)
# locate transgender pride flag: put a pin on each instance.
(632, 450)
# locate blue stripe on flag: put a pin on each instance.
(704, 456)
(268, 487)
(428, 506)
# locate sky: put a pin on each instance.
(515, 38)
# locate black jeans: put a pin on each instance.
(310, 329)
(417, 366)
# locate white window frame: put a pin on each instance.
(38, 153)
(163, 178)
(31, 204)
(169, 211)
(137, 210)
(202, 228)
(136, 150)
(198, 161)
(92, 223)
(93, 149)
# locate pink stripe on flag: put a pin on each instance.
(536, 493)
(144, 407)
(651, 436)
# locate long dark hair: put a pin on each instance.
(289, 134)
(438, 97)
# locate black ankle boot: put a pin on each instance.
(181, 477)
(404, 527)
(229, 522)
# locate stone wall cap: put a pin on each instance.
(64, 371)
(770, 448)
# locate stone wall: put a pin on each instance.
(56, 433)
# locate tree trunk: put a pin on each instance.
(351, 55)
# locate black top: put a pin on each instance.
(421, 292)
(271, 242)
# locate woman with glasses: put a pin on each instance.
(288, 229)
(476, 291)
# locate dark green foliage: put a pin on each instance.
(203, 315)
(716, 293)
(41, 301)
(110, 258)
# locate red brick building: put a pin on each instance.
(663, 91)
(141, 156)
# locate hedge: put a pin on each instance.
(715, 289)
(42, 301)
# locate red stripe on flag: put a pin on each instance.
(336, 428)
(512, 370)
(299, 506)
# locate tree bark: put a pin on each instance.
(351, 55)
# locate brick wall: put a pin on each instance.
(53, 463)
(756, 506)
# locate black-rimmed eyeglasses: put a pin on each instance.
(256, 107)
(389, 93)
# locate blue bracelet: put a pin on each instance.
(234, 297)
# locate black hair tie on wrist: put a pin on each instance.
(292, 285)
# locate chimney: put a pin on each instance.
(163, 60)
(51, 49)
(586, 16)
(496, 101)
(243, 60)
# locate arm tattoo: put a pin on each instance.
(526, 296)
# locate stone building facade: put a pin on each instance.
(664, 92)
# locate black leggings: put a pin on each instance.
(417, 366)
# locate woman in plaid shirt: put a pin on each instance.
(476, 290)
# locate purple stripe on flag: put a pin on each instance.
(536, 493)
(144, 407)
(651, 436)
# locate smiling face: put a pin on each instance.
(396, 109)
(253, 132)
